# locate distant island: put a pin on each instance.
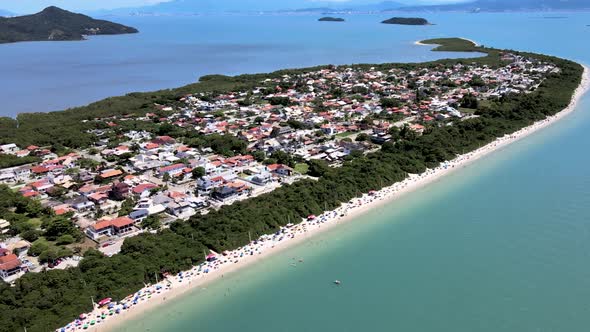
(56, 24)
(331, 19)
(407, 21)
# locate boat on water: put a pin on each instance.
(337, 282)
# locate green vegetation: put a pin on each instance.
(331, 19)
(47, 300)
(345, 134)
(56, 24)
(407, 21)
(301, 168)
(7, 160)
(453, 45)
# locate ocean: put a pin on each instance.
(502, 245)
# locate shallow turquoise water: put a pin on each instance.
(502, 245)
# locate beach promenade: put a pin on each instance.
(153, 296)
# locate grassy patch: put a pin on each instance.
(467, 110)
(345, 134)
(302, 168)
(35, 222)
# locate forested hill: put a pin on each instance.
(56, 24)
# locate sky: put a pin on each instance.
(31, 6)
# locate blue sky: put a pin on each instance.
(29, 6)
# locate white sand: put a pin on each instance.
(295, 234)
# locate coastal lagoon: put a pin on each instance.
(502, 245)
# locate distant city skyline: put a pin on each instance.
(30, 6)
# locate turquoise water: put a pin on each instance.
(502, 245)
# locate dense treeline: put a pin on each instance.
(7, 160)
(46, 300)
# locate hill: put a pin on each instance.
(331, 19)
(190, 7)
(407, 21)
(56, 24)
(506, 5)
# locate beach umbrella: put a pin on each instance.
(104, 301)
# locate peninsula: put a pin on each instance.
(407, 21)
(331, 19)
(55, 24)
(173, 188)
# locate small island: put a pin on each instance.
(407, 21)
(331, 19)
(56, 24)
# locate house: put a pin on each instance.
(139, 215)
(262, 178)
(144, 187)
(150, 206)
(7, 177)
(280, 169)
(4, 226)
(20, 248)
(16, 174)
(85, 176)
(120, 191)
(110, 173)
(80, 204)
(98, 198)
(9, 148)
(224, 193)
(114, 227)
(172, 170)
(10, 265)
(179, 209)
(42, 185)
(206, 184)
(164, 140)
(381, 138)
(150, 147)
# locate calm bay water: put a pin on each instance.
(173, 51)
(503, 245)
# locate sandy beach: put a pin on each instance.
(166, 290)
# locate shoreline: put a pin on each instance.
(419, 42)
(151, 297)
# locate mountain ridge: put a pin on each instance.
(506, 6)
